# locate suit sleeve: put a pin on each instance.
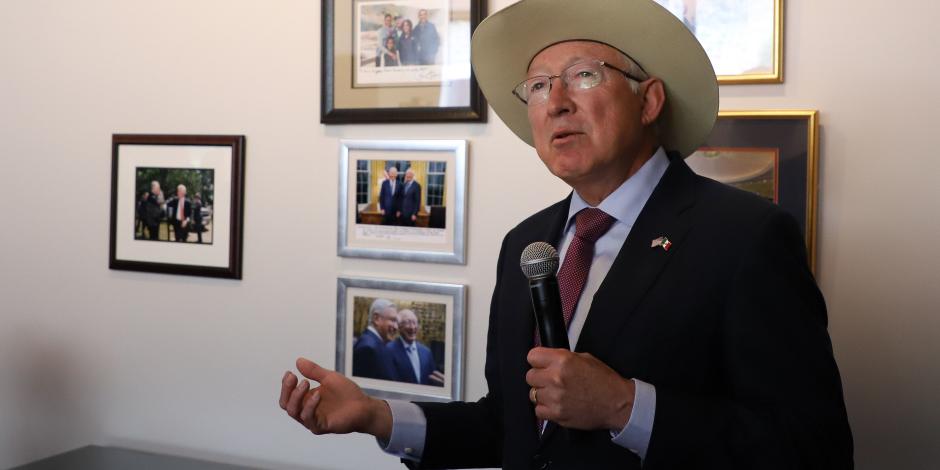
(417, 199)
(463, 434)
(780, 404)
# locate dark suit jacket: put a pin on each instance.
(410, 199)
(388, 201)
(370, 358)
(151, 210)
(728, 325)
(172, 206)
(402, 370)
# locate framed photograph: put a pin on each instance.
(399, 339)
(176, 204)
(403, 200)
(773, 154)
(743, 38)
(399, 61)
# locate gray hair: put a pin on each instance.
(409, 312)
(379, 306)
(635, 70)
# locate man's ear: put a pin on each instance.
(654, 98)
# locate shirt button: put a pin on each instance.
(409, 450)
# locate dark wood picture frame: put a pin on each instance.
(235, 227)
(330, 113)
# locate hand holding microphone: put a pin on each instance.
(575, 390)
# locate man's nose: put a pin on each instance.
(559, 101)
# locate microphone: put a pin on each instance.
(539, 263)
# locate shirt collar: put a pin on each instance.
(626, 202)
(374, 331)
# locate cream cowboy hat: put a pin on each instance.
(504, 44)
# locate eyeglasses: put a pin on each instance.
(578, 77)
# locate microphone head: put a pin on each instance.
(539, 260)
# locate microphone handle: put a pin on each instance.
(546, 303)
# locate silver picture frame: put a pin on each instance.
(453, 295)
(361, 236)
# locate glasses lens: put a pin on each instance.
(536, 89)
(583, 76)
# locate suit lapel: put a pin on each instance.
(548, 231)
(403, 362)
(521, 323)
(638, 264)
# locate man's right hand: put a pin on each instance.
(337, 406)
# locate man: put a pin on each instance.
(180, 212)
(410, 200)
(370, 359)
(699, 334)
(197, 217)
(386, 31)
(412, 361)
(139, 216)
(428, 39)
(152, 210)
(390, 197)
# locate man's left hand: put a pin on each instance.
(578, 391)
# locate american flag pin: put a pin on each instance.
(662, 242)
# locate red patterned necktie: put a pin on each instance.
(590, 225)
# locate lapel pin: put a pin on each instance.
(662, 242)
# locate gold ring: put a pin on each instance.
(534, 396)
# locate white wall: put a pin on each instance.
(89, 355)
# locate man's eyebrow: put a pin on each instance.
(532, 72)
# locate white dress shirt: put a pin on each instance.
(409, 425)
(412, 350)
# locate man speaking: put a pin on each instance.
(698, 332)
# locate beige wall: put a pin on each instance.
(89, 355)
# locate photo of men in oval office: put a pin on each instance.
(404, 193)
(392, 345)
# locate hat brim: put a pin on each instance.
(504, 44)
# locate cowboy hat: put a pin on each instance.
(504, 44)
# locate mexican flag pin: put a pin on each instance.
(663, 242)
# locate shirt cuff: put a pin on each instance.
(635, 436)
(409, 428)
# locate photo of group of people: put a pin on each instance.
(401, 193)
(173, 205)
(406, 35)
(401, 341)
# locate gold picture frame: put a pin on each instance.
(745, 44)
(794, 134)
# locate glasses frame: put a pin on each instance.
(550, 77)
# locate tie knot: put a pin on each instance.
(591, 224)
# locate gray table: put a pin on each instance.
(113, 458)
